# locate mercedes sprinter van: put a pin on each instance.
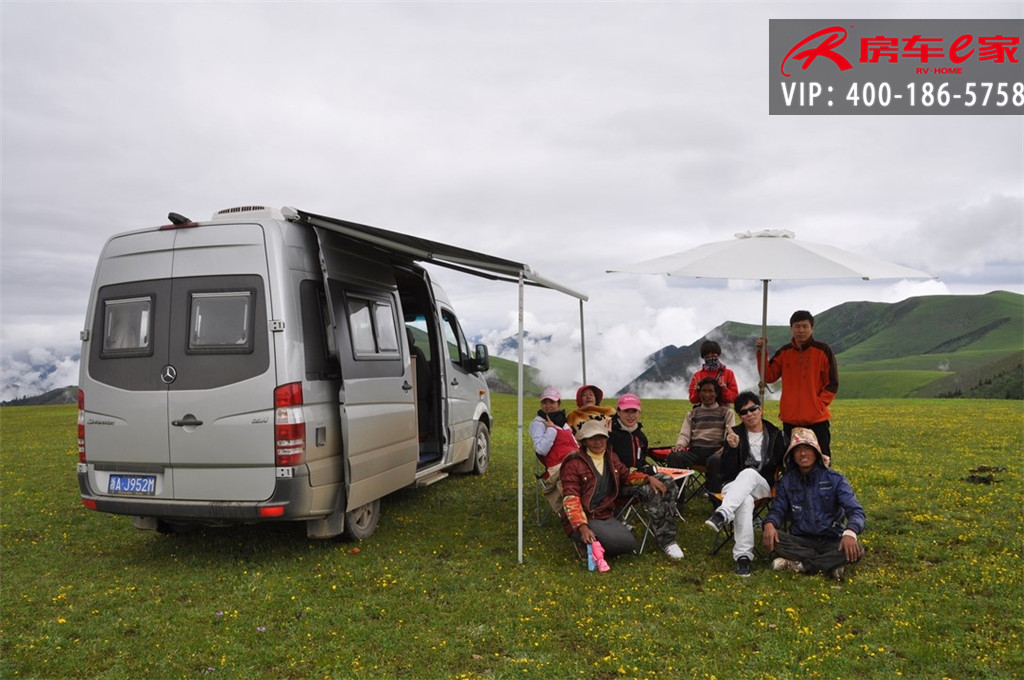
(256, 368)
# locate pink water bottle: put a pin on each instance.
(595, 557)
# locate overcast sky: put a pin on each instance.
(576, 137)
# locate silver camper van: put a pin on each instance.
(256, 367)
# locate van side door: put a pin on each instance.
(376, 398)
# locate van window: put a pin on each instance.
(458, 348)
(373, 329)
(127, 327)
(221, 322)
(420, 336)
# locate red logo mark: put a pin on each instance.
(832, 37)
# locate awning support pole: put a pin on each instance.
(519, 421)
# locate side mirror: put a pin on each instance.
(482, 361)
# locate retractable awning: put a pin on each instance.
(468, 262)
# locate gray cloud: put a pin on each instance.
(575, 137)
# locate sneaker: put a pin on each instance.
(717, 522)
(836, 573)
(782, 564)
(674, 551)
(743, 566)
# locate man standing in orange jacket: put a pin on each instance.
(810, 380)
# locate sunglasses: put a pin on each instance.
(747, 411)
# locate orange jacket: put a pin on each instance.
(810, 381)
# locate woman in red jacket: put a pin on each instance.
(710, 353)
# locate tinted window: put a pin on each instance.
(373, 328)
(387, 334)
(361, 325)
(221, 321)
(418, 334)
(127, 327)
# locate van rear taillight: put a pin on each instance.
(289, 426)
(81, 426)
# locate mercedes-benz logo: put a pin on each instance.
(168, 374)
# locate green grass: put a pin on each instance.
(856, 384)
(437, 592)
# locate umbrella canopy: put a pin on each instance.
(767, 255)
(772, 254)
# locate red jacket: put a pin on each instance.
(725, 377)
(810, 381)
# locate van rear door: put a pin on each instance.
(125, 399)
(220, 406)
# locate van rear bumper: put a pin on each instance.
(293, 494)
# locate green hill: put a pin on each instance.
(938, 346)
(933, 346)
(504, 374)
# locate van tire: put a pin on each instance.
(361, 522)
(481, 449)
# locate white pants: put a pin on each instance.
(738, 498)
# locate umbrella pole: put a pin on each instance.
(763, 362)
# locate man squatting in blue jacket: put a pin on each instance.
(823, 512)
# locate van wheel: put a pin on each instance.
(481, 449)
(361, 522)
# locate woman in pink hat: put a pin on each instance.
(628, 441)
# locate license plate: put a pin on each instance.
(132, 485)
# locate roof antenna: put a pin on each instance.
(175, 218)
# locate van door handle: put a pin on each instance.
(189, 421)
(455, 382)
(406, 386)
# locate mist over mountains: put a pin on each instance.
(36, 371)
(932, 346)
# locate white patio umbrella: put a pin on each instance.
(767, 255)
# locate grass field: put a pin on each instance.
(437, 591)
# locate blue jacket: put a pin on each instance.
(818, 505)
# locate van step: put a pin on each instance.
(427, 480)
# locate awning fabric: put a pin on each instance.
(466, 261)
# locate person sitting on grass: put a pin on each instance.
(748, 465)
(703, 432)
(825, 518)
(628, 441)
(591, 479)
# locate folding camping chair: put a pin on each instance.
(694, 486)
(680, 477)
(543, 507)
(631, 512)
(726, 536)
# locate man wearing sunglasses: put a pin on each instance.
(752, 456)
